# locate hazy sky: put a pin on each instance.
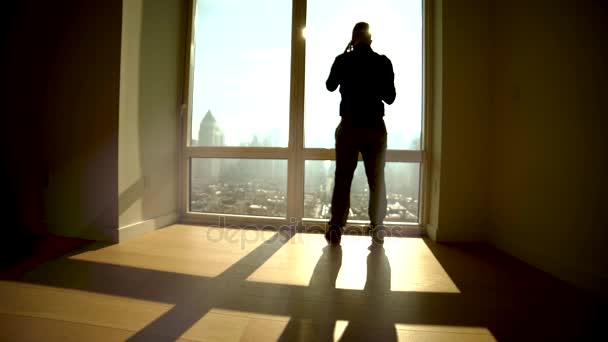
(242, 66)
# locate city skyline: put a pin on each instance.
(259, 187)
(213, 135)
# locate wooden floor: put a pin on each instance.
(195, 283)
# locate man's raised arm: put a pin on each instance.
(333, 81)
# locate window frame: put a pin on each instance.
(295, 153)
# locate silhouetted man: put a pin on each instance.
(366, 79)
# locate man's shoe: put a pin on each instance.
(378, 232)
(333, 234)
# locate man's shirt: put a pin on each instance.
(366, 79)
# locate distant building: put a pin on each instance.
(209, 134)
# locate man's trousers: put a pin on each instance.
(371, 142)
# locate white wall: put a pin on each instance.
(152, 72)
(91, 136)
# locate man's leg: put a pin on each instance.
(374, 158)
(346, 163)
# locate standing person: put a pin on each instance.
(366, 80)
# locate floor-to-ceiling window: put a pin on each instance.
(260, 124)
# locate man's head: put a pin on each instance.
(361, 34)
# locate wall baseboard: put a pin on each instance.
(135, 229)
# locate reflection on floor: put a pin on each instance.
(205, 284)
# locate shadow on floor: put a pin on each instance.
(514, 301)
(25, 252)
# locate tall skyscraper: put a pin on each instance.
(209, 134)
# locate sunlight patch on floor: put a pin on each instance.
(353, 272)
(441, 333)
(411, 265)
(339, 329)
(193, 250)
(293, 263)
(415, 268)
(38, 301)
(230, 325)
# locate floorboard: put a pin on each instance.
(198, 283)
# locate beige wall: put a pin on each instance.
(459, 175)
(548, 158)
(518, 152)
(92, 136)
(433, 27)
(152, 68)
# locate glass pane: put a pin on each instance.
(402, 191)
(241, 73)
(239, 186)
(396, 27)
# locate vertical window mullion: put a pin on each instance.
(295, 178)
(186, 113)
